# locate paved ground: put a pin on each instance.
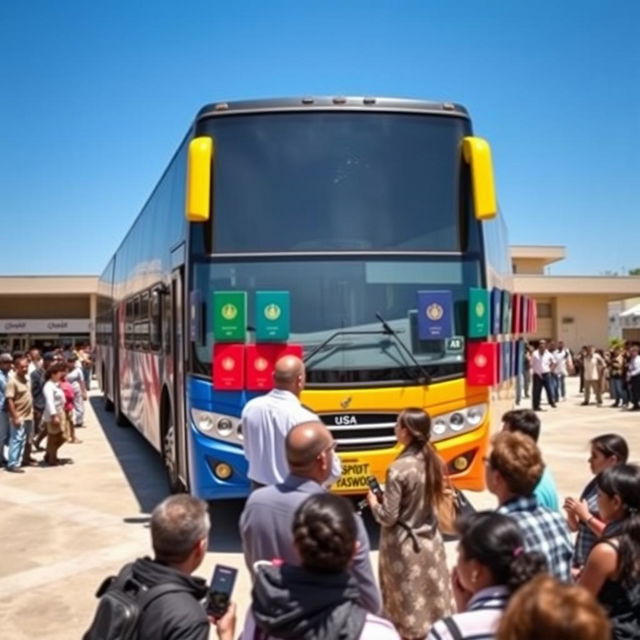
(64, 529)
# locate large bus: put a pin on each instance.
(352, 205)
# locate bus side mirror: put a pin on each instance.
(198, 187)
(477, 154)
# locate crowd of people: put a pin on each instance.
(42, 397)
(518, 574)
(615, 371)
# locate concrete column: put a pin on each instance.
(93, 306)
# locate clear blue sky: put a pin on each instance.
(95, 97)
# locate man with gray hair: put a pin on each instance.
(267, 519)
(179, 537)
(267, 419)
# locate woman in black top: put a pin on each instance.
(612, 572)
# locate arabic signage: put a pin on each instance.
(50, 325)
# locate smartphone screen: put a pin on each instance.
(220, 589)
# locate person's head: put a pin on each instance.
(34, 355)
(619, 500)
(491, 552)
(542, 346)
(551, 346)
(522, 421)
(591, 349)
(560, 345)
(180, 532)
(289, 374)
(325, 533)
(546, 608)
(56, 371)
(514, 466)
(310, 449)
(607, 450)
(47, 360)
(413, 430)
(634, 350)
(21, 366)
(6, 362)
(71, 359)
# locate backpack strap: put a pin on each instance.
(453, 629)
(159, 590)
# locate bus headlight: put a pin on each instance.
(439, 427)
(216, 425)
(451, 424)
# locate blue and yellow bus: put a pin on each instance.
(351, 205)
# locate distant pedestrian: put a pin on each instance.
(513, 469)
(563, 366)
(542, 365)
(6, 364)
(607, 450)
(20, 409)
(76, 379)
(594, 365)
(54, 416)
(267, 419)
(617, 378)
(633, 375)
(37, 379)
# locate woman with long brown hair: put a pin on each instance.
(413, 569)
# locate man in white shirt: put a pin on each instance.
(634, 377)
(594, 366)
(542, 366)
(564, 364)
(266, 420)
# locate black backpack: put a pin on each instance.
(122, 602)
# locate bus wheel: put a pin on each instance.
(121, 419)
(170, 457)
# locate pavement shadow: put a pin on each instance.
(140, 462)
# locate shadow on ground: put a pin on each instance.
(144, 471)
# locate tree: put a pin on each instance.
(634, 272)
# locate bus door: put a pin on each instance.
(177, 351)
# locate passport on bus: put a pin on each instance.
(228, 366)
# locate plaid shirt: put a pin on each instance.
(586, 538)
(544, 531)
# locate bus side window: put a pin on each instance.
(155, 320)
(143, 322)
(128, 326)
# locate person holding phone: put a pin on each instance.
(414, 578)
(180, 538)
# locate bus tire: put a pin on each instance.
(121, 419)
(169, 452)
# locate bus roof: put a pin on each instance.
(331, 103)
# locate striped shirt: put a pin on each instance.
(478, 622)
(544, 531)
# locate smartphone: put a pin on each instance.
(375, 487)
(220, 590)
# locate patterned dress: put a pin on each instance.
(414, 578)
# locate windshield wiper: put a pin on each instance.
(425, 378)
(337, 334)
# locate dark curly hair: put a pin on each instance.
(325, 533)
(495, 541)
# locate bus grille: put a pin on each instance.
(359, 431)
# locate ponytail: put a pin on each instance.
(495, 541)
(418, 423)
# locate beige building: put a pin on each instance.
(44, 310)
(570, 308)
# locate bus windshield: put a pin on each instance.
(344, 295)
(337, 181)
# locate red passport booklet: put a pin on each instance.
(261, 360)
(482, 363)
(228, 366)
